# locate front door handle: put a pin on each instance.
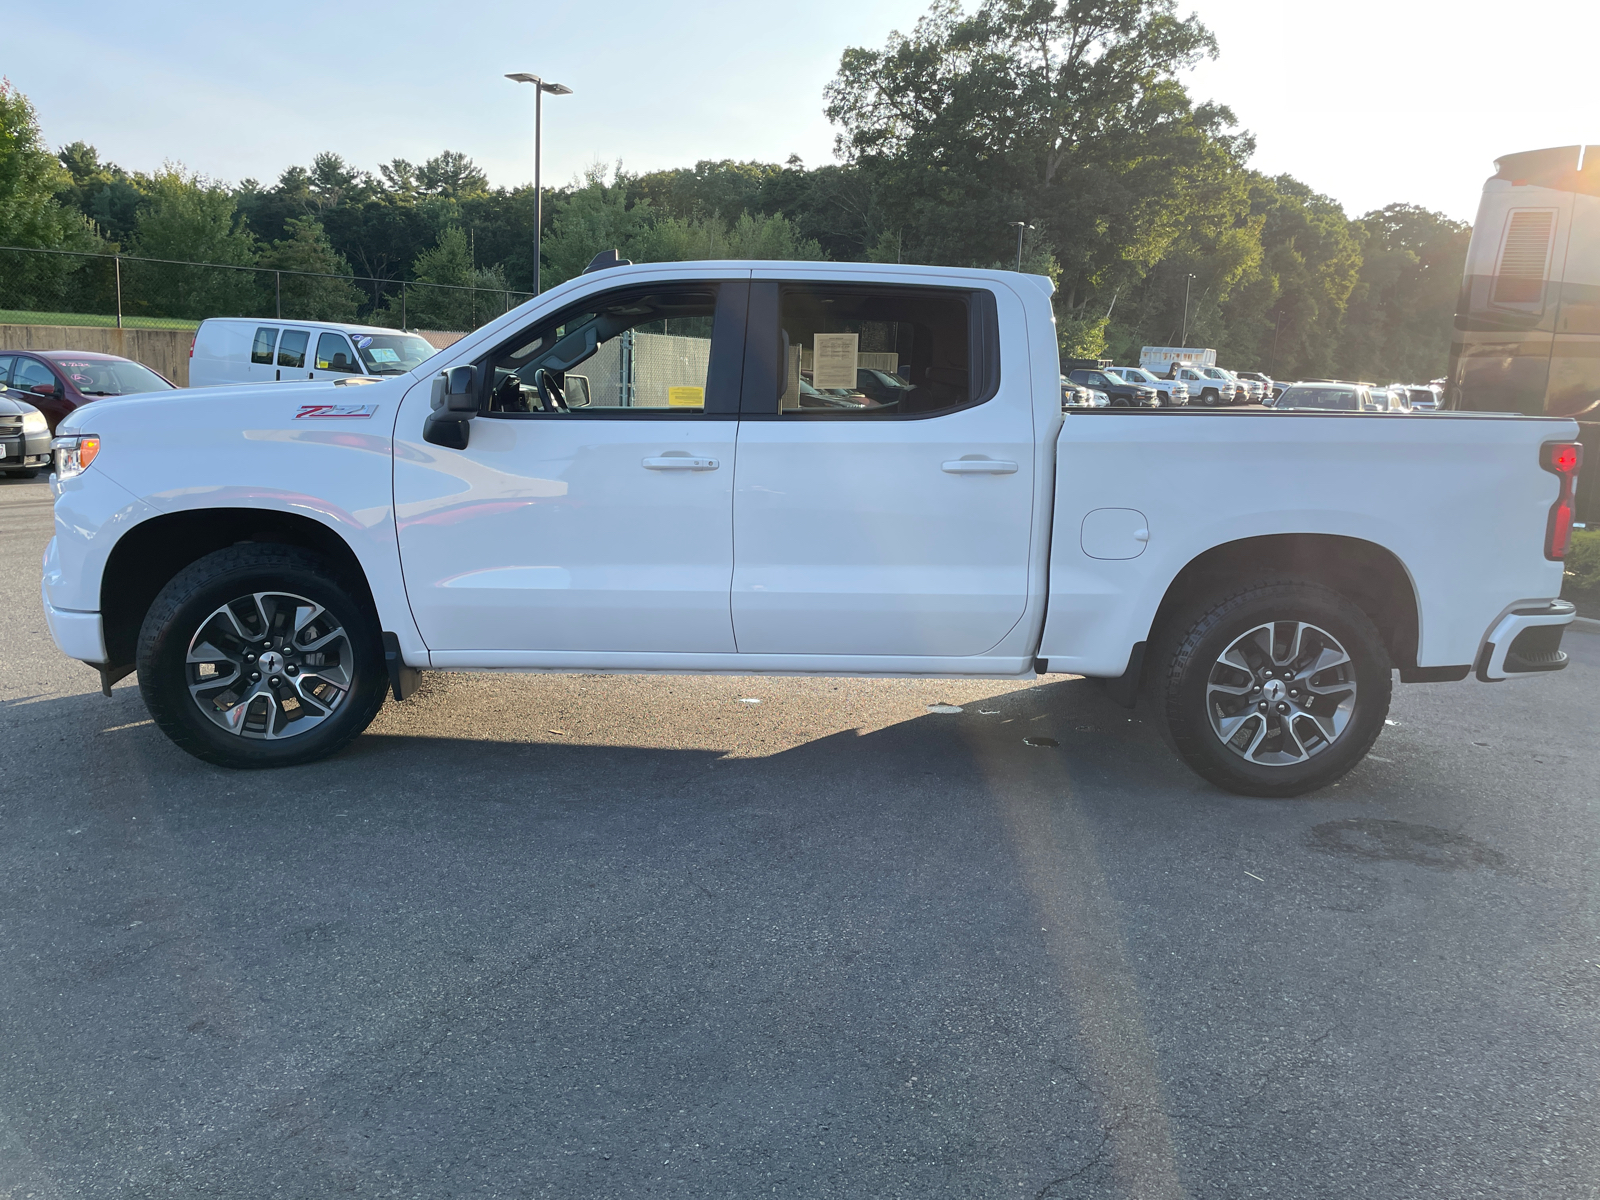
(980, 466)
(680, 462)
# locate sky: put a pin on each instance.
(1368, 101)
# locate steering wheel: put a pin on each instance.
(550, 397)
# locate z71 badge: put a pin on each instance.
(330, 411)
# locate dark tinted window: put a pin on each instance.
(334, 354)
(29, 373)
(292, 349)
(5, 370)
(876, 350)
(261, 349)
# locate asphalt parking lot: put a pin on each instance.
(574, 936)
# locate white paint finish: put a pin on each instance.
(241, 447)
(76, 634)
(91, 512)
(558, 533)
(889, 537)
(1114, 533)
(1459, 499)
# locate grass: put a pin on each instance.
(18, 317)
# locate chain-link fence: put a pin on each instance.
(69, 287)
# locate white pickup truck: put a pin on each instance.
(797, 468)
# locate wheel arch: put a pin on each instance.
(149, 554)
(1369, 575)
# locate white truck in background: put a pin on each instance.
(1159, 360)
(275, 565)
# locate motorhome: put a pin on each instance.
(1527, 327)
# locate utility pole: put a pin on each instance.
(1022, 227)
(540, 88)
(1184, 340)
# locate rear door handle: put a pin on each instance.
(680, 462)
(980, 466)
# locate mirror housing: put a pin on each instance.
(455, 403)
(43, 389)
(576, 391)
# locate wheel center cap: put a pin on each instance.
(1272, 691)
(271, 662)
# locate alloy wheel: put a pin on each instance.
(1281, 693)
(269, 665)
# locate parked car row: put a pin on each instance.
(38, 388)
(1185, 385)
(1343, 395)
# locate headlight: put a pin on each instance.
(34, 422)
(1099, 399)
(74, 454)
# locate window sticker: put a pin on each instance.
(686, 397)
(382, 354)
(834, 360)
(363, 342)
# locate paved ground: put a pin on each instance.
(577, 936)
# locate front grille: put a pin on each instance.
(10, 424)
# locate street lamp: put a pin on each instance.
(1021, 227)
(540, 88)
(1184, 340)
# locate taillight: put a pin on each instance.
(1561, 459)
(192, 342)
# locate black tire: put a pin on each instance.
(197, 594)
(1209, 397)
(1191, 683)
(25, 473)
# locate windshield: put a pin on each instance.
(1333, 399)
(110, 376)
(1137, 375)
(391, 353)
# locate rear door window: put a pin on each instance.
(5, 370)
(292, 349)
(261, 348)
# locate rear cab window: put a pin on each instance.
(292, 348)
(870, 351)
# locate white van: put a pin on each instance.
(246, 350)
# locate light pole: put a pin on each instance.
(540, 88)
(1184, 340)
(1022, 227)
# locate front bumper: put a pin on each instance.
(24, 451)
(78, 635)
(1526, 641)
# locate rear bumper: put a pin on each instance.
(78, 635)
(1526, 641)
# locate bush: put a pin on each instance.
(1583, 561)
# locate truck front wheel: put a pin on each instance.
(260, 656)
(1275, 689)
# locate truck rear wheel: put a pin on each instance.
(1209, 397)
(259, 656)
(1276, 689)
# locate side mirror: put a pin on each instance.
(43, 389)
(455, 403)
(576, 391)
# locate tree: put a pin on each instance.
(449, 292)
(311, 297)
(190, 218)
(1068, 116)
(30, 214)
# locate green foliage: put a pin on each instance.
(1583, 561)
(30, 214)
(311, 297)
(438, 299)
(188, 218)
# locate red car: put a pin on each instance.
(58, 381)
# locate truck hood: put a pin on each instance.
(161, 407)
